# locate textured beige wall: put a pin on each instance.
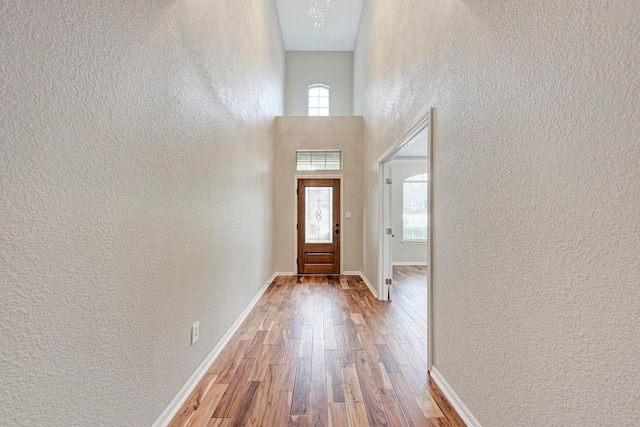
(536, 174)
(405, 252)
(294, 133)
(137, 176)
(331, 68)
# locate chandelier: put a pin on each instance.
(317, 10)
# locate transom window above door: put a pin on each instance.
(318, 100)
(318, 160)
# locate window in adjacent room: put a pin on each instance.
(318, 100)
(414, 209)
(318, 160)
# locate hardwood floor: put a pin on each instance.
(322, 351)
(409, 295)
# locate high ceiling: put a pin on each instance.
(338, 33)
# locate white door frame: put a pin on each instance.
(295, 215)
(384, 221)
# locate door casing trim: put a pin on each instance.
(295, 216)
(385, 267)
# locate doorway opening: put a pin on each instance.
(405, 223)
(318, 226)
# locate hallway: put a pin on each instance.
(320, 350)
(150, 154)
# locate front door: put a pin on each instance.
(318, 226)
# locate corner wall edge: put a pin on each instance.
(452, 397)
(364, 279)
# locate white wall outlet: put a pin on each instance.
(347, 215)
(195, 332)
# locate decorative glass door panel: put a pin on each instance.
(318, 226)
(318, 217)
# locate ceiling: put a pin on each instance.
(338, 32)
(417, 147)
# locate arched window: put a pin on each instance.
(318, 100)
(414, 209)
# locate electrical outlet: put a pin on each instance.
(195, 332)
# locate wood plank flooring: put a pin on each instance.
(409, 297)
(322, 351)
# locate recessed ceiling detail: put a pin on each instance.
(317, 25)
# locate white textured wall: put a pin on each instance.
(340, 133)
(136, 189)
(537, 195)
(331, 68)
(405, 252)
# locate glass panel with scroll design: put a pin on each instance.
(318, 216)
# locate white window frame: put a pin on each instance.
(322, 152)
(328, 108)
(413, 180)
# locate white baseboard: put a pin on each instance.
(409, 263)
(177, 402)
(284, 273)
(368, 283)
(453, 398)
(364, 279)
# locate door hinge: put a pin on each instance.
(389, 181)
(296, 261)
(388, 231)
(296, 226)
(296, 191)
(388, 282)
